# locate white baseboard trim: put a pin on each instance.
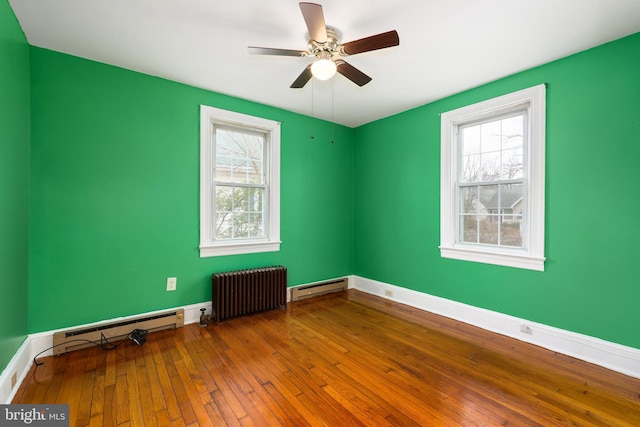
(41, 342)
(616, 357)
(19, 364)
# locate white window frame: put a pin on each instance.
(531, 256)
(209, 246)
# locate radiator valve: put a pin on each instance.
(204, 318)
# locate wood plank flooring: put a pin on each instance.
(345, 359)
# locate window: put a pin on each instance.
(492, 181)
(239, 183)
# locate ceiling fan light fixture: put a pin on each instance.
(324, 68)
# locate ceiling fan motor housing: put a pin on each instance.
(330, 45)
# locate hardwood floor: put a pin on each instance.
(337, 360)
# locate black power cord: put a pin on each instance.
(138, 336)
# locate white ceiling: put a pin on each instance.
(446, 46)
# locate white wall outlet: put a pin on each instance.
(171, 283)
(388, 293)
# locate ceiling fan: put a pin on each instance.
(324, 44)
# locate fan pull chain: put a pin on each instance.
(333, 123)
(312, 112)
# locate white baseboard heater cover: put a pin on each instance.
(315, 289)
(75, 339)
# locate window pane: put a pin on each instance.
(240, 224)
(224, 198)
(256, 225)
(513, 131)
(224, 206)
(512, 162)
(489, 230)
(510, 234)
(239, 156)
(493, 150)
(488, 196)
(471, 140)
(469, 228)
(471, 168)
(239, 212)
(224, 229)
(490, 136)
(491, 214)
(490, 169)
(256, 195)
(469, 202)
(240, 199)
(511, 201)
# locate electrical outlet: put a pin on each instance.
(388, 293)
(14, 380)
(526, 330)
(172, 283)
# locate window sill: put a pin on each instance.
(523, 261)
(236, 248)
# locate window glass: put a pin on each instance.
(492, 152)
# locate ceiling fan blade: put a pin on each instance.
(352, 73)
(379, 41)
(314, 19)
(302, 79)
(272, 51)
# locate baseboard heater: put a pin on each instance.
(75, 339)
(315, 289)
(242, 292)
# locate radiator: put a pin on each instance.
(316, 289)
(242, 292)
(74, 339)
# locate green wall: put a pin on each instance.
(115, 194)
(591, 283)
(14, 183)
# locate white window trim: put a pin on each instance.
(532, 256)
(208, 246)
